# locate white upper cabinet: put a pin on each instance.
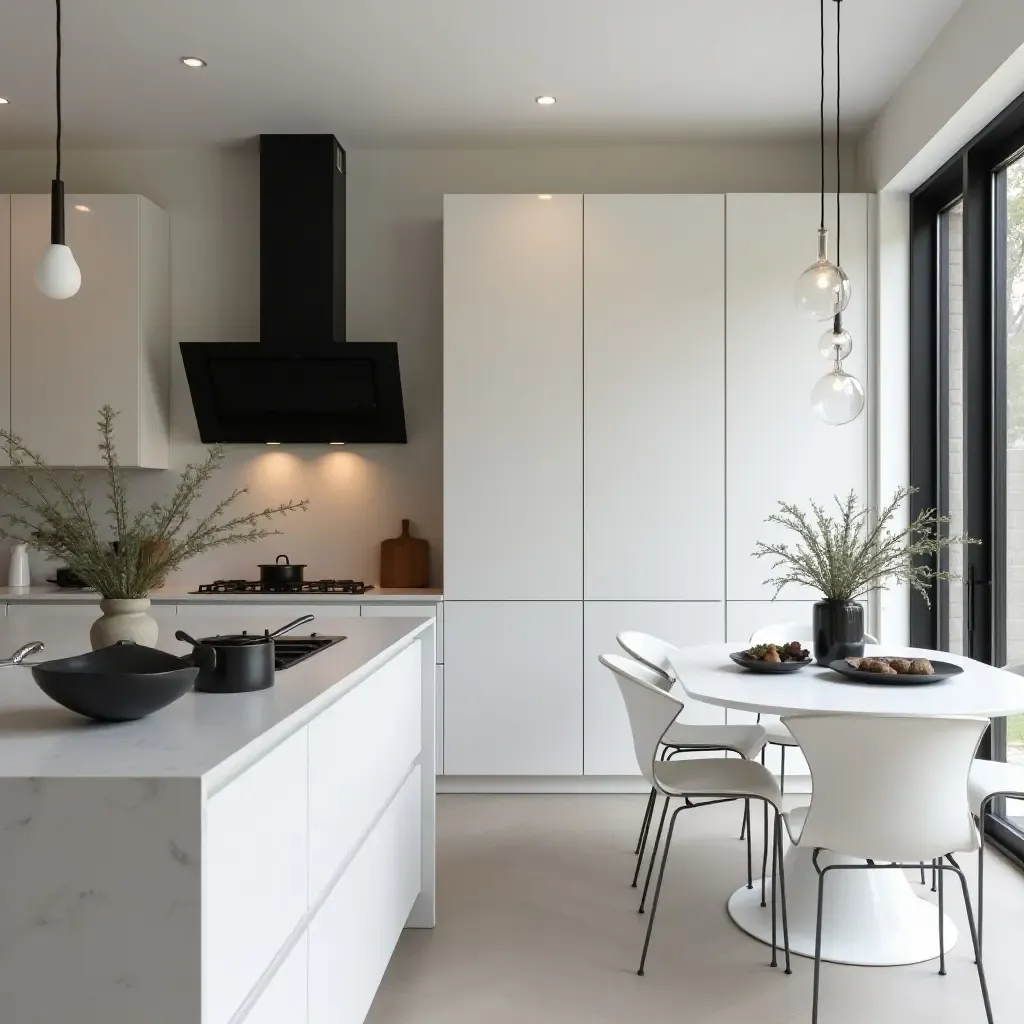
(107, 345)
(777, 448)
(5, 317)
(513, 397)
(654, 397)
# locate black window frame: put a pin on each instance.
(970, 175)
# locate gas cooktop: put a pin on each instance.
(306, 587)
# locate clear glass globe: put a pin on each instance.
(835, 344)
(822, 290)
(838, 397)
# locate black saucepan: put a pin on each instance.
(236, 663)
(281, 574)
(117, 684)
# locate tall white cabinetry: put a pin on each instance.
(107, 345)
(5, 316)
(627, 390)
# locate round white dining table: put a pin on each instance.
(870, 917)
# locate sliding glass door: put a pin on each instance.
(967, 412)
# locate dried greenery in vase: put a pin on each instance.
(57, 517)
(846, 557)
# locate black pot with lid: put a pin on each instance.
(281, 573)
(238, 662)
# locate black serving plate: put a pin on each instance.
(768, 667)
(116, 684)
(943, 670)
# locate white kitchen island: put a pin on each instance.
(233, 858)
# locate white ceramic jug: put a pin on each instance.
(17, 573)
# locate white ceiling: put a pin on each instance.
(400, 72)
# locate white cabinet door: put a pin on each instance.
(654, 397)
(5, 317)
(513, 417)
(513, 700)
(353, 935)
(415, 611)
(777, 448)
(607, 738)
(255, 873)
(439, 719)
(284, 1001)
(107, 345)
(64, 627)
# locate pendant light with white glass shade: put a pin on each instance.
(57, 275)
(838, 397)
(823, 289)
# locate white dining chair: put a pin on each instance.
(652, 711)
(988, 781)
(746, 740)
(905, 804)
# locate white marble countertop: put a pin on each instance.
(181, 594)
(202, 735)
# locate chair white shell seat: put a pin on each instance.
(993, 778)
(717, 777)
(777, 731)
(745, 740)
(794, 822)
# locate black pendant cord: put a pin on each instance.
(60, 112)
(839, 178)
(821, 113)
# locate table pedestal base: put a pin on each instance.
(871, 918)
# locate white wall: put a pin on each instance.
(359, 494)
(969, 74)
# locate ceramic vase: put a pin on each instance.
(123, 620)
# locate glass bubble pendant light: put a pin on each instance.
(823, 289)
(836, 342)
(838, 397)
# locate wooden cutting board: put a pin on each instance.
(405, 561)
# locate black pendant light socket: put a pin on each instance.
(56, 212)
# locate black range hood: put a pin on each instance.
(302, 383)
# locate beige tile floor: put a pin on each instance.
(537, 923)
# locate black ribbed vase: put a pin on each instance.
(838, 630)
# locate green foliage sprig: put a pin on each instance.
(57, 517)
(847, 557)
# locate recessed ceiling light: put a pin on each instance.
(193, 62)
(544, 195)
(81, 207)
(3, 101)
(545, 101)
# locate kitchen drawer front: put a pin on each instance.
(255, 873)
(284, 1000)
(415, 611)
(359, 751)
(353, 936)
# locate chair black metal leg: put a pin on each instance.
(654, 856)
(817, 947)
(647, 835)
(981, 878)
(782, 894)
(942, 927)
(782, 771)
(646, 823)
(750, 854)
(923, 881)
(746, 820)
(933, 876)
(657, 888)
(764, 854)
(775, 887)
(976, 939)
